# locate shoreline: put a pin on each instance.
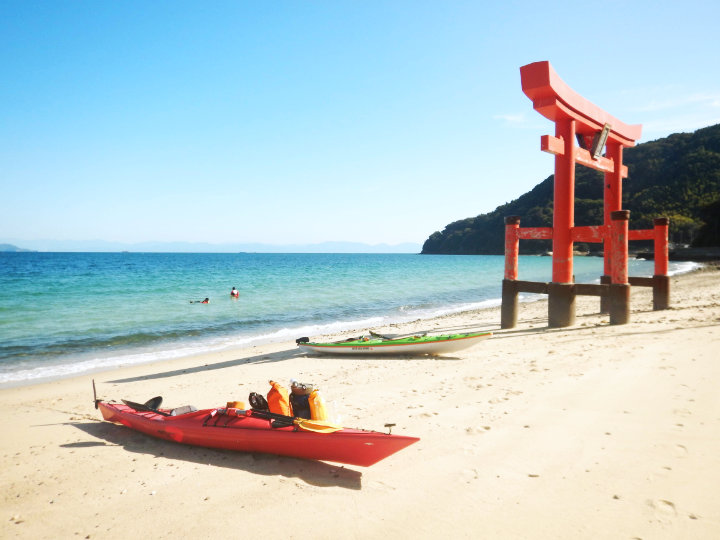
(92, 363)
(587, 431)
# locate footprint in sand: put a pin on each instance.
(663, 507)
(470, 474)
(680, 451)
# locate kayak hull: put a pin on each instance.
(416, 345)
(212, 428)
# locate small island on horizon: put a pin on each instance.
(14, 249)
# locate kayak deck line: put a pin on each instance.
(396, 343)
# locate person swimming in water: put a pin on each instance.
(234, 293)
(206, 301)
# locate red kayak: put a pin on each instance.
(258, 431)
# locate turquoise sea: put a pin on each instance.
(63, 314)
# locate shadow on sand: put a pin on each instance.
(267, 358)
(259, 359)
(316, 473)
(541, 328)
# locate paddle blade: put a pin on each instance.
(317, 426)
(143, 407)
(154, 403)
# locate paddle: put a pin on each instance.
(150, 405)
(393, 337)
(280, 420)
(317, 426)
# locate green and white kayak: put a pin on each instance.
(416, 344)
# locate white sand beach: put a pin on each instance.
(592, 431)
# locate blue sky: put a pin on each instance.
(301, 122)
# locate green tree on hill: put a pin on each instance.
(677, 177)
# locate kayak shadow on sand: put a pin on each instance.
(316, 473)
(258, 359)
(274, 357)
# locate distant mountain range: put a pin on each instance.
(198, 247)
(676, 177)
(10, 247)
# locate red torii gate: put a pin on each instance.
(576, 119)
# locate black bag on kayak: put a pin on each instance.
(257, 401)
(299, 399)
(300, 405)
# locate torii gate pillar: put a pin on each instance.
(561, 299)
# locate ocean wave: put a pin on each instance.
(35, 369)
(682, 267)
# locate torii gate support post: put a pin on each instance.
(619, 286)
(612, 202)
(661, 280)
(561, 294)
(509, 307)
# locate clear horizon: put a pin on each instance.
(305, 123)
(100, 246)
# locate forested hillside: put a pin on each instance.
(677, 177)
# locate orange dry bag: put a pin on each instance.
(278, 399)
(317, 406)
